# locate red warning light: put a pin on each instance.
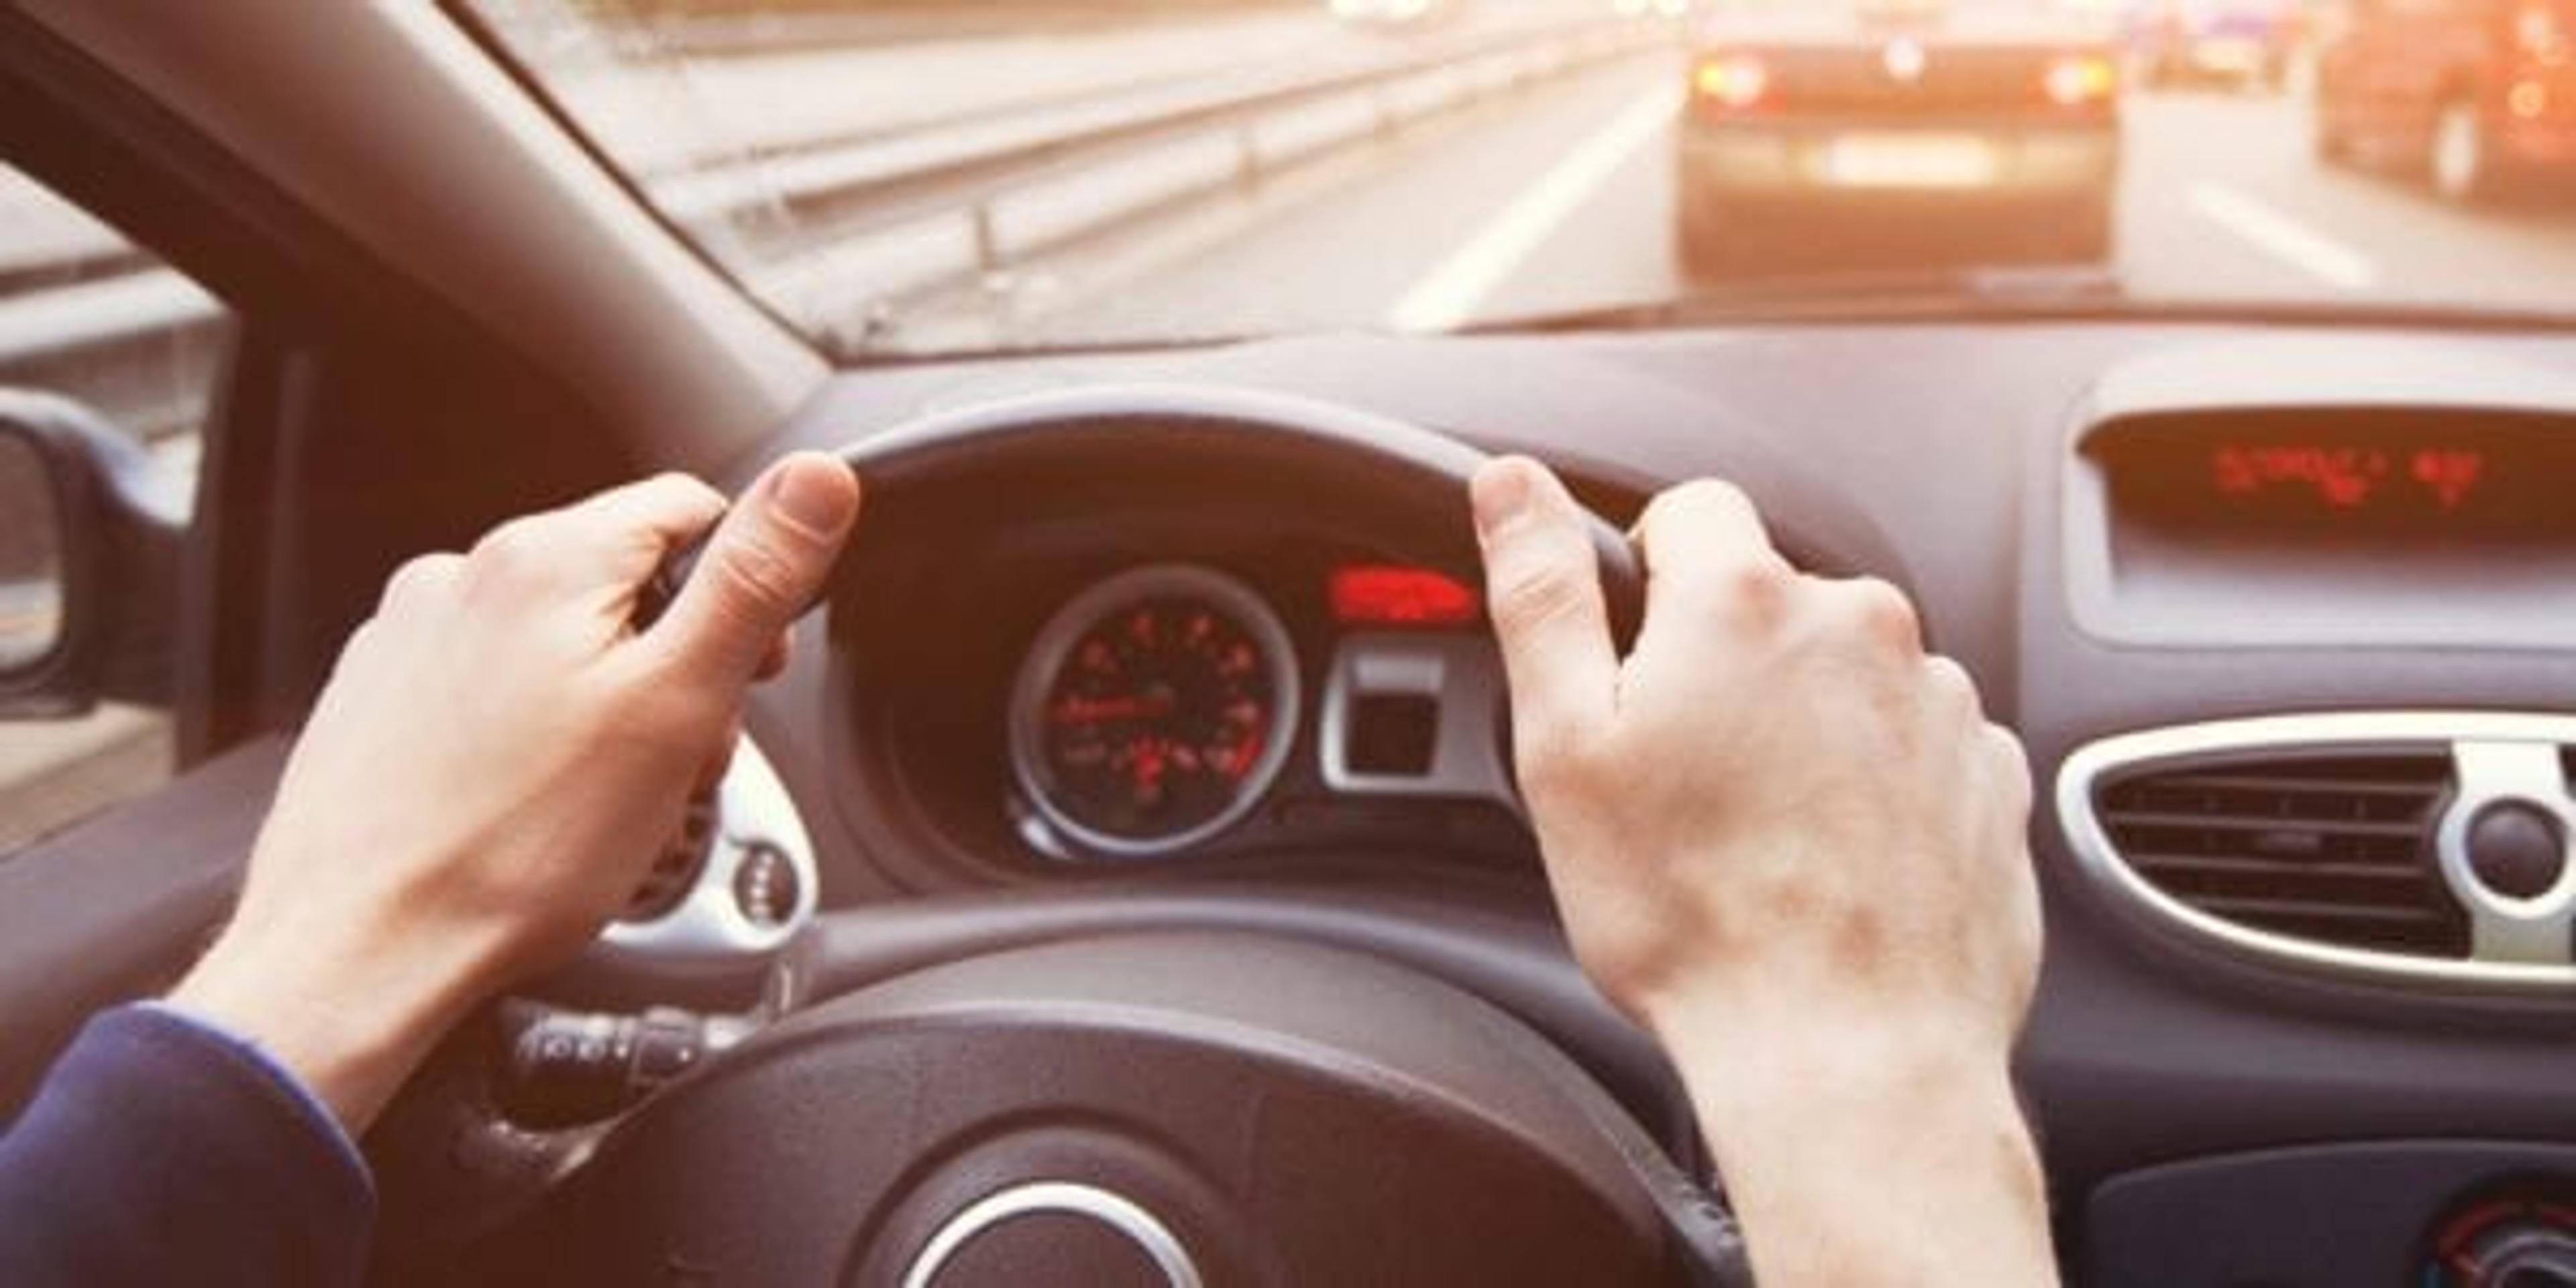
(1393, 595)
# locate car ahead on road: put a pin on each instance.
(2230, 42)
(1812, 122)
(2477, 96)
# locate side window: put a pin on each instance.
(86, 314)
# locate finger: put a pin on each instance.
(633, 528)
(1543, 588)
(1949, 689)
(712, 772)
(608, 542)
(773, 662)
(2011, 766)
(1708, 559)
(762, 568)
(419, 578)
(1871, 611)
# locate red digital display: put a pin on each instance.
(1394, 595)
(2350, 477)
(2363, 482)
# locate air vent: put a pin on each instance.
(2344, 843)
(676, 869)
(2333, 846)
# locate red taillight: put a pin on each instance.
(1392, 595)
(2081, 80)
(1732, 81)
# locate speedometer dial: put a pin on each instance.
(1153, 710)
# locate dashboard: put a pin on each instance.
(2186, 561)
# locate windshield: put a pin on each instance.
(930, 176)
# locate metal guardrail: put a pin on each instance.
(890, 215)
(840, 189)
(728, 31)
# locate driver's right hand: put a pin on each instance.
(1788, 841)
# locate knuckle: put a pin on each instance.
(1876, 613)
(680, 481)
(1760, 589)
(1888, 614)
(2011, 762)
(760, 576)
(362, 640)
(686, 489)
(1702, 495)
(1950, 684)
(1538, 592)
(512, 551)
(419, 578)
(1673, 516)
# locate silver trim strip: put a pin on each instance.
(1463, 677)
(1061, 1198)
(2101, 864)
(753, 809)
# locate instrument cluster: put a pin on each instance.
(1168, 708)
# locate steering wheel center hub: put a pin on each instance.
(1060, 1230)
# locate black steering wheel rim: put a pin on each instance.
(1392, 480)
(1406, 488)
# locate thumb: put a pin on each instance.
(761, 570)
(1543, 589)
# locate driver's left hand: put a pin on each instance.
(497, 759)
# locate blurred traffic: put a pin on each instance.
(937, 177)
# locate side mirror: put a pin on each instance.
(90, 538)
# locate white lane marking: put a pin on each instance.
(2287, 239)
(1450, 293)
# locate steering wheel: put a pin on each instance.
(1173, 1105)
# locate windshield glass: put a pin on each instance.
(931, 176)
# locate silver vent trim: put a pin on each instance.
(2504, 930)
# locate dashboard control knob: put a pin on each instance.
(2517, 849)
(567, 1067)
(2525, 1256)
(765, 888)
(2523, 1239)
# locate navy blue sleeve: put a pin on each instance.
(160, 1151)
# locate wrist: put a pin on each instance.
(349, 1011)
(1857, 1154)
